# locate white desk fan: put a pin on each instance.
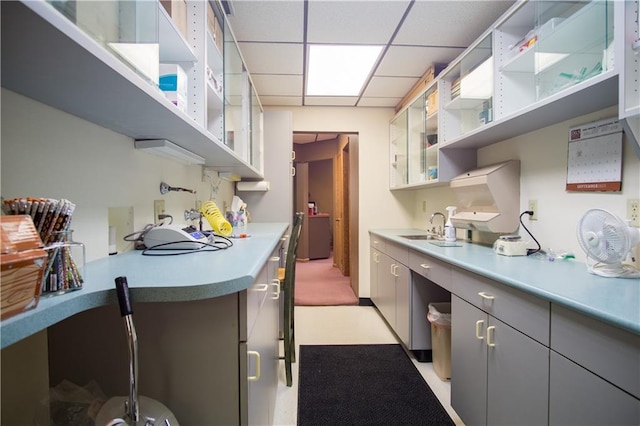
(607, 240)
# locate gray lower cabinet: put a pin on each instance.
(500, 353)
(595, 372)
(374, 267)
(259, 348)
(393, 296)
(579, 397)
(499, 375)
(195, 357)
(401, 295)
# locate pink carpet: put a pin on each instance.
(318, 283)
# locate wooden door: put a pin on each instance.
(301, 187)
(341, 208)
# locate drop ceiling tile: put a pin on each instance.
(413, 61)
(449, 23)
(356, 22)
(280, 101)
(274, 21)
(389, 87)
(277, 85)
(379, 102)
(329, 100)
(273, 58)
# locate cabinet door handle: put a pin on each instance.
(425, 266)
(256, 377)
(490, 332)
(479, 325)
(260, 287)
(293, 155)
(293, 171)
(276, 293)
(275, 259)
(486, 295)
(376, 258)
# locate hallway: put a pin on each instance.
(344, 325)
(319, 283)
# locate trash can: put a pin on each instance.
(439, 316)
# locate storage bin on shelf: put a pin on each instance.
(439, 316)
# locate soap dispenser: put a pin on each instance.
(449, 230)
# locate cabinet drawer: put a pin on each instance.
(251, 302)
(522, 311)
(431, 268)
(398, 252)
(377, 242)
(608, 351)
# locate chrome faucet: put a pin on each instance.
(444, 219)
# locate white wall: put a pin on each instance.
(379, 208)
(543, 157)
(49, 153)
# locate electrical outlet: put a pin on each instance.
(633, 213)
(533, 206)
(424, 206)
(158, 209)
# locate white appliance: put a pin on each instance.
(510, 245)
(607, 240)
(488, 198)
(172, 237)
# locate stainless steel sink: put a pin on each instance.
(446, 243)
(419, 237)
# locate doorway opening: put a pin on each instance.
(326, 188)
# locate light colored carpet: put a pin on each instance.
(318, 283)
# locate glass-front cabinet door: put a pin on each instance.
(546, 47)
(468, 92)
(416, 147)
(256, 146)
(398, 151)
(430, 143)
(629, 14)
(215, 72)
(235, 79)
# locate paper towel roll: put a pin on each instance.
(262, 185)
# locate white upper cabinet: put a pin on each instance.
(541, 63)
(102, 61)
(628, 48)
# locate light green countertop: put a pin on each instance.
(565, 282)
(155, 279)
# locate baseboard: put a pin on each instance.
(365, 301)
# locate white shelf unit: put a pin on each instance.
(398, 150)
(58, 64)
(525, 91)
(628, 48)
(467, 86)
(416, 141)
(215, 84)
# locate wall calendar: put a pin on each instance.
(595, 157)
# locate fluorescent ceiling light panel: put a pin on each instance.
(339, 70)
(166, 149)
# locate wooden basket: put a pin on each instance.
(22, 259)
